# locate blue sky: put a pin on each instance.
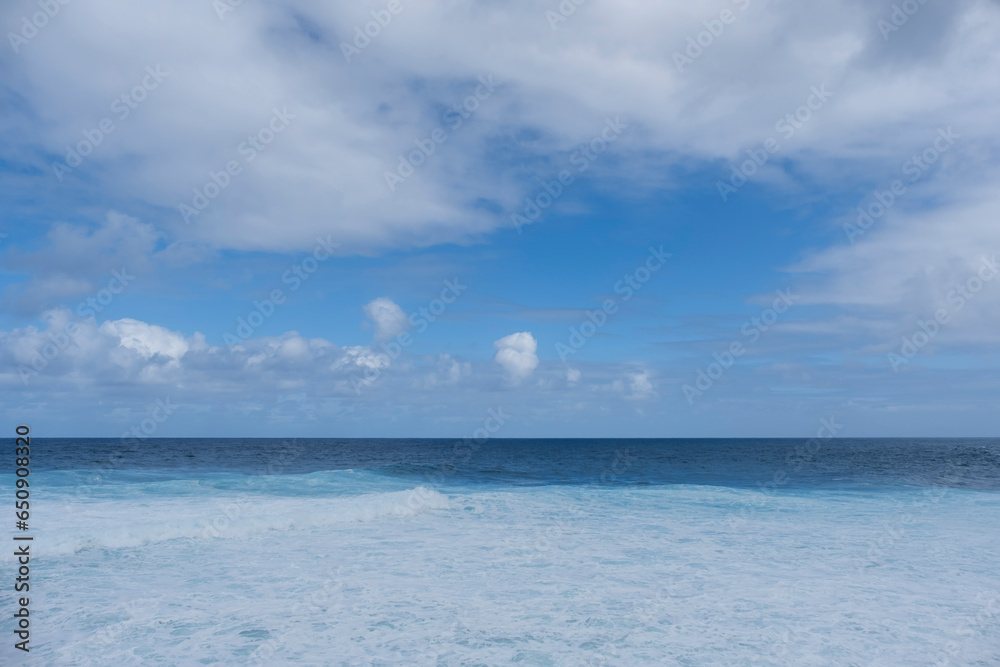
(209, 169)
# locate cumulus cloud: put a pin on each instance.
(640, 386)
(128, 352)
(147, 340)
(516, 355)
(388, 318)
(124, 365)
(92, 377)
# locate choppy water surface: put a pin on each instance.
(539, 552)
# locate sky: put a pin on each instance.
(730, 218)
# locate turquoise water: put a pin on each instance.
(548, 552)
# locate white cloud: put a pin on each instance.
(448, 371)
(78, 260)
(324, 173)
(363, 358)
(95, 382)
(126, 364)
(516, 354)
(388, 318)
(353, 120)
(908, 262)
(640, 386)
(146, 339)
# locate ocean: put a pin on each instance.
(531, 552)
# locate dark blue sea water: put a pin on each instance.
(961, 463)
(537, 552)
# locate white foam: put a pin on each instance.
(539, 576)
(123, 524)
